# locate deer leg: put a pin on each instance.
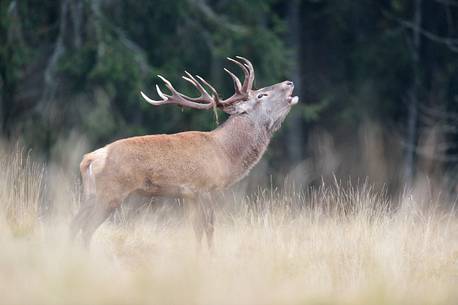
(84, 211)
(210, 225)
(197, 219)
(98, 215)
(78, 221)
(209, 219)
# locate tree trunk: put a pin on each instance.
(11, 43)
(412, 119)
(295, 139)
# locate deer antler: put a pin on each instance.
(241, 91)
(205, 100)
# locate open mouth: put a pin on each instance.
(293, 100)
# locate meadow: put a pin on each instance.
(336, 243)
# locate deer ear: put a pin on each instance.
(237, 108)
(229, 110)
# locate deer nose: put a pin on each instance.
(289, 83)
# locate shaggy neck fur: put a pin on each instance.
(244, 141)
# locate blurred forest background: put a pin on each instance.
(377, 80)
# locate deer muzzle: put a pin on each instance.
(292, 100)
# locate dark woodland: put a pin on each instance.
(377, 80)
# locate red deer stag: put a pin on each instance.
(188, 165)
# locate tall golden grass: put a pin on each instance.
(336, 244)
(21, 184)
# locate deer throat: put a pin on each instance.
(244, 142)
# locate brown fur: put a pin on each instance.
(178, 165)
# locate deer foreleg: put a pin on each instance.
(203, 218)
(197, 219)
(78, 221)
(209, 218)
(99, 213)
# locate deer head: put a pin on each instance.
(267, 106)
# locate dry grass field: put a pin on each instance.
(331, 245)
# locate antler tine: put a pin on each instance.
(165, 98)
(237, 84)
(250, 79)
(213, 90)
(247, 63)
(192, 80)
(151, 101)
(203, 92)
(161, 94)
(244, 68)
(241, 91)
(205, 101)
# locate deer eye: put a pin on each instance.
(262, 95)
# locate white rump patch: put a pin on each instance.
(91, 187)
(96, 166)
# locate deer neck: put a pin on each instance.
(244, 141)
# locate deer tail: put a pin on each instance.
(88, 177)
